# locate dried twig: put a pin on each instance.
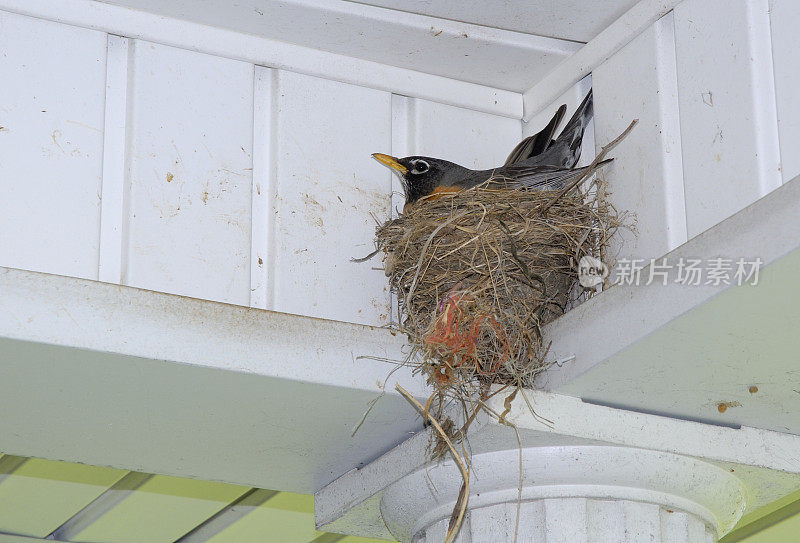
(592, 168)
(461, 503)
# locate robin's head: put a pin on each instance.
(421, 176)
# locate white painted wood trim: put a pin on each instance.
(261, 234)
(594, 53)
(262, 51)
(764, 93)
(68, 312)
(114, 161)
(566, 415)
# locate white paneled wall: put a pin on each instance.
(470, 138)
(728, 115)
(327, 192)
(190, 176)
(52, 87)
(198, 175)
(184, 172)
(646, 175)
(702, 82)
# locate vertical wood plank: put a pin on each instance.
(262, 247)
(784, 19)
(114, 161)
(190, 174)
(470, 138)
(565, 520)
(727, 107)
(646, 177)
(51, 142)
(642, 522)
(402, 143)
(329, 195)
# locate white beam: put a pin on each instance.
(149, 379)
(593, 54)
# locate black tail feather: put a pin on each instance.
(538, 143)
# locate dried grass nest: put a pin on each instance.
(478, 273)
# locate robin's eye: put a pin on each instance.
(420, 166)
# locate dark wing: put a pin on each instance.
(542, 176)
(566, 150)
(538, 143)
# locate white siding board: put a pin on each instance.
(52, 86)
(470, 138)
(329, 194)
(727, 107)
(190, 174)
(785, 18)
(646, 177)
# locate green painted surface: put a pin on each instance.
(40, 495)
(266, 524)
(354, 539)
(777, 522)
(161, 511)
(786, 531)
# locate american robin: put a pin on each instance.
(538, 162)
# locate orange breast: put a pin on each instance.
(443, 189)
(437, 193)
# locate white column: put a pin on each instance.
(569, 494)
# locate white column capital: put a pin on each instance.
(576, 493)
(589, 473)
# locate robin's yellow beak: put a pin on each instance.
(391, 162)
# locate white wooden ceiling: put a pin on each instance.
(577, 20)
(476, 48)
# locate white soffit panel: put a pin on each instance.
(577, 20)
(191, 172)
(463, 51)
(52, 88)
(301, 58)
(728, 116)
(328, 195)
(646, 176)
(784, 18)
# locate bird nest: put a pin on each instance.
(479, 273)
